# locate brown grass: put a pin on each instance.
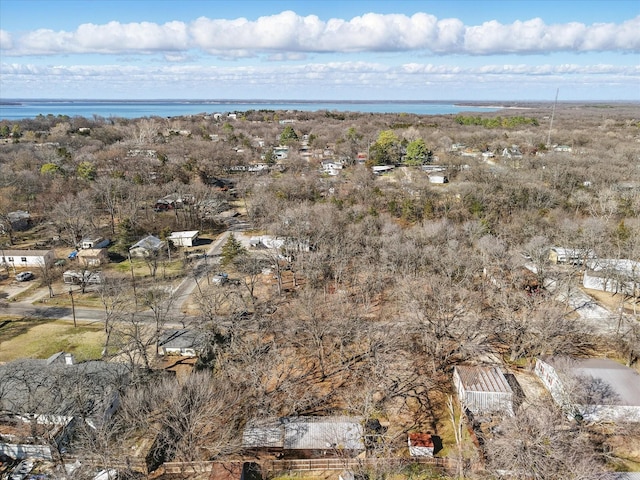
(42, 338)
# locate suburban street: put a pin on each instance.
(31, 307)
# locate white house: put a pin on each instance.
(94, 242)
(613, 275)
(184, 239)
(596, 389)
(27, 258)
(331, 168)
(483, 390)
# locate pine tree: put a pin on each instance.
(231, 250)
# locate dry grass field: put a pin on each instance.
(28, 338)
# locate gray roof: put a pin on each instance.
(624, 381)
(483, 379)
(305, 433)
(51, 387)
(182, 338)
(149, 242)
(25, 253)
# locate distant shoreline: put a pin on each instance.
(22, 109)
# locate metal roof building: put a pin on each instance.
(599, 389)
(305, 433)
(483, 390)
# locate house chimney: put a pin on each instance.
(68, 359)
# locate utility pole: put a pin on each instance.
(73, 306)
(133, 281)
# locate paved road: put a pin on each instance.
(89, 315)
(199, 272)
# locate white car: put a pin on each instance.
(24, 276)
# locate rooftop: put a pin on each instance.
(421, 440)
(305, 433)
(624, 381)
(483, 379)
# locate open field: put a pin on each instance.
(29, 338)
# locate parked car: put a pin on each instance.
(24, 276)
(220, 279)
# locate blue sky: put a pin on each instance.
(320, 50)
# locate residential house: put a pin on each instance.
(173, 201)
(483, 390)
(93, 257)
(281, 152)
(181, 342)
(18, 220)
(420, 445)
(27, 258)
(184, 239)
(574, 256)
(613, 275)
(42, 400)
(306, 437)
(331, 168)
(594, 389)
(147, 247)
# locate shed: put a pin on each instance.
(597, 389)
(483, 390)
(93, 257)
(184, 239)
(421, 445)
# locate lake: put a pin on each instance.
(21, 109)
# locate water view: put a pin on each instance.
(20, 109)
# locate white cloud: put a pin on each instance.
(288, 33)
(112, 37)
(6, 41)
(352, 73)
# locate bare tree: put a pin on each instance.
(539, 443)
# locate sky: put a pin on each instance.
(321, 50)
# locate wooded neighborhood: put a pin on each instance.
(295, 294)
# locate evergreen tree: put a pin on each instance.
(231, 250)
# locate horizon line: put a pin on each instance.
(302, 101)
